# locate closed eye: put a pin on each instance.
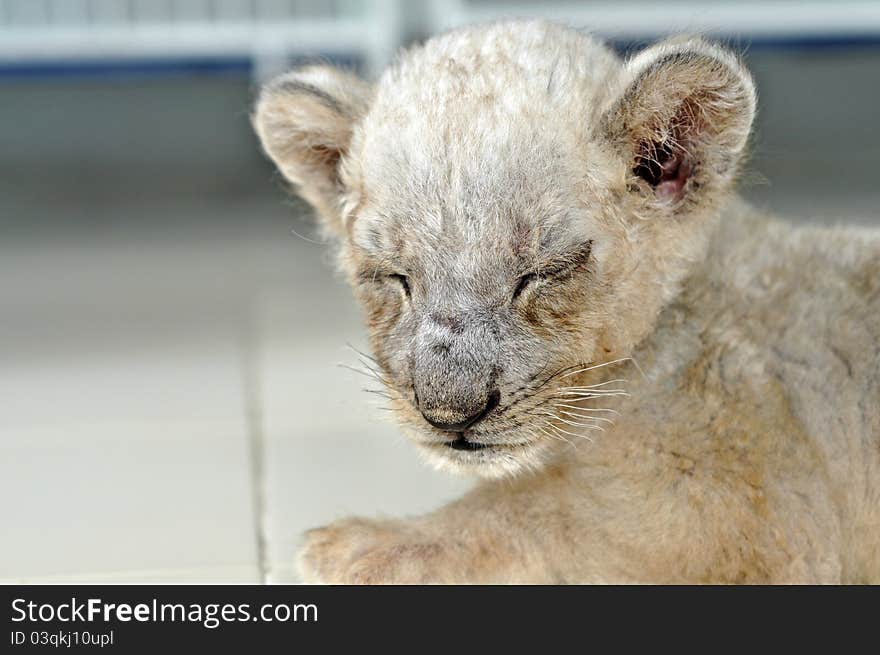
(403, 281)
(523, 283)
(559, 269)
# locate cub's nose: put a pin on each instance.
(460, 426)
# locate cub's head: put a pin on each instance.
(513, 205)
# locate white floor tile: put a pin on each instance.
(127, 501)
(125, 458)
(244, 574)
(191, 380)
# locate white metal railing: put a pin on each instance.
(269, 31)
(638, 19)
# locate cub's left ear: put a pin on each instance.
(682, 121)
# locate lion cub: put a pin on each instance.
(657, 383)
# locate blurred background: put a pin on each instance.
(171, 408)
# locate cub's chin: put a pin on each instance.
(491, 461)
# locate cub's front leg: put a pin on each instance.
(367, 551)
(481, 538)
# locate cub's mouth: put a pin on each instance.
(463, 450)
(466, 452)
(462, 443)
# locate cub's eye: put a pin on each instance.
(523, 282)
(403, 281)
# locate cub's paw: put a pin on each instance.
(363, 551)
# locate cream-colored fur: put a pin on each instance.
(688, 388)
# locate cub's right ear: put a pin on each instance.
(305, 121)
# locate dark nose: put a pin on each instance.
(461, 426)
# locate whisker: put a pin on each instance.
(529, 389)
(549, 378)
(585, 395)
(361, 353)
(591, 418)
(554, 436)
(574, 423)
(587, 409)
(602, 384)
(365, 372)
(369, 363)
(639, 369)
(557, 437)
(579, 436)
(361, 371)
(595, 366)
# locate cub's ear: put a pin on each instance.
(681, 122)
(305, 121)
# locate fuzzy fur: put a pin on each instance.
(678, 388)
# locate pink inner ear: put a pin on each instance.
(665, 168)
(673, 176)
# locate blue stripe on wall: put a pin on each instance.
(746, 43)
(162, 67)
(243, 65)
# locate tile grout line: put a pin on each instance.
(252, 395)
